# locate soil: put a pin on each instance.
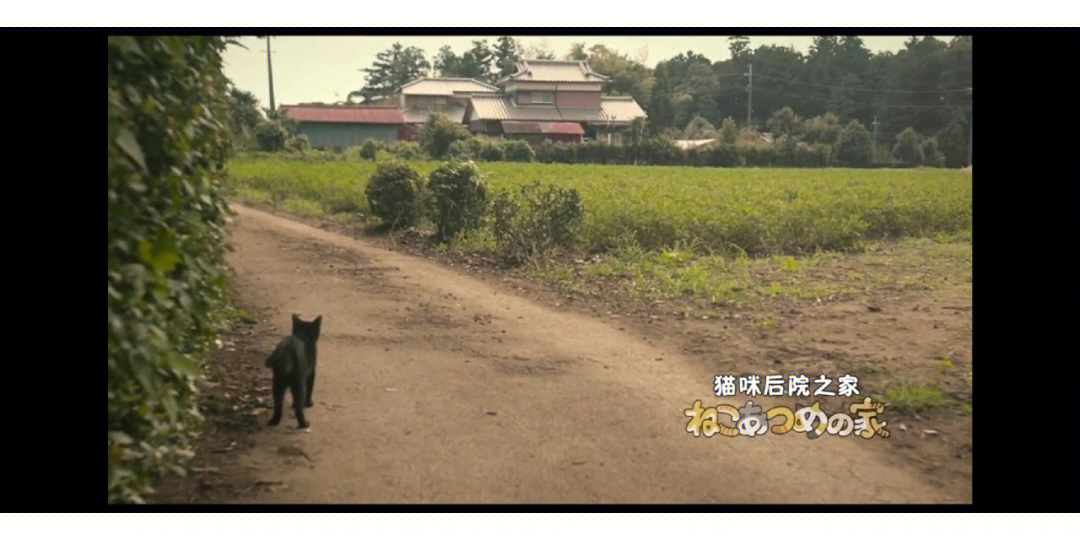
(439, 381)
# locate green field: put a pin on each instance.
(704, 210)
(709, 234)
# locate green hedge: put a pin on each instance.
(167, 149)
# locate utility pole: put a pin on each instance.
(750, 92)
(270, 74)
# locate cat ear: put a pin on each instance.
(295, 317)
(318, 323)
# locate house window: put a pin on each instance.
(543, 98)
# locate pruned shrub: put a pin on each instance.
(392, 193)
(458, 198)
(536, 220)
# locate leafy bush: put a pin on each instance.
(553, 152)
(537, 220)
(908, 148)
(407, 150)
(490, 149)
(370, 149)
(464, 149)
(518, 150)
(458, 198)
(439, 133)
(931, 155)
(167, 145)
(854, 146)
(298, 143)
(271, 136)
(392, 193)
(824, 129)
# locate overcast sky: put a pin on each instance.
(326, 68)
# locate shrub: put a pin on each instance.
(458, 198)
(464, 149)
(931, 155)
(271, 136)
(439, 133)
(298, 143)
(553, 152)
(812, 155)
(369, 149)
(537, 220)
(166, 246)
(824, 129)
(490, 149)
(854, 146)
(729, 133)
(392, 193)
(407, 150)
(518, 150)
(908, 148)
(785, 122)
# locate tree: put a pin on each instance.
(953, 140)
(628, 77)
(439, 133)
(824, 129)
(729, 132)
(699, 128)
(392, 68)
(854, 146)
(507, 53)
(784, 122)
(738, 46)
(577, 52)
(908, 147)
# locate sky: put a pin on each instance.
(326, 68)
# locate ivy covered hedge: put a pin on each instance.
(167, 149)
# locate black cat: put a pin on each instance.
(293, 362)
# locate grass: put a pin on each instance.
(913, 397)
(714, 236)
(707, 210)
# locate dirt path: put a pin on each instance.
(433, 386)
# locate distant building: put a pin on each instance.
(543, 100)
(543, 97)
(448, 96)
(342, 126)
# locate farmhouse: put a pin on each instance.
(448, 96)
(543, 100)
(342, 126)
(552, 99)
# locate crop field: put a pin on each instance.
(700, 210)
(708, 244)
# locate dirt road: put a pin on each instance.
(434, 386)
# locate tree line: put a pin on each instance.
(925, 86)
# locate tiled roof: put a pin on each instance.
(621, 108)
(503, 108)
(417, 115)
(445, 86)
(547, 128)
(343, 114)
(554, 71)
